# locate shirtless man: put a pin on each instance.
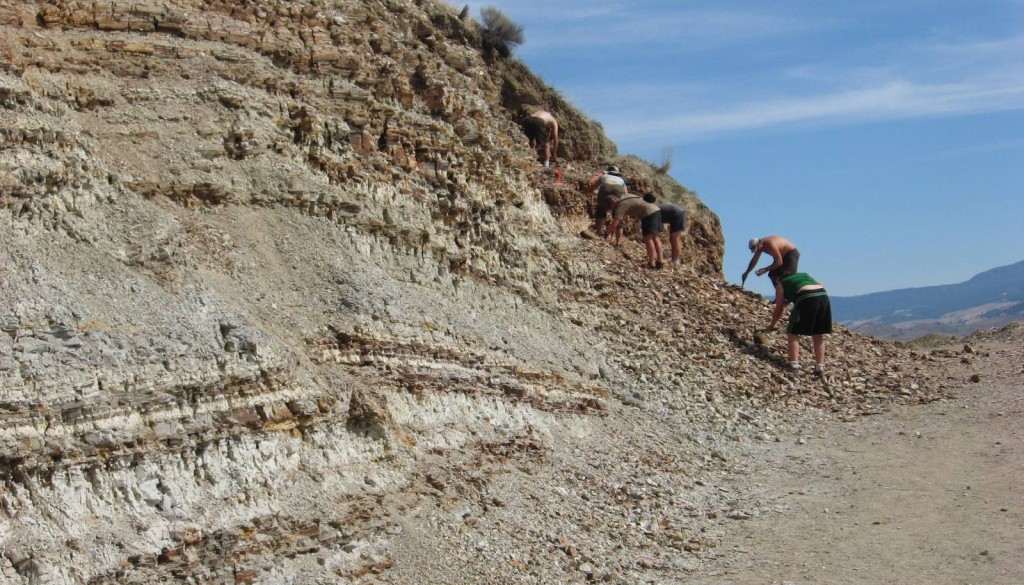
(542, 130)
(784, 253)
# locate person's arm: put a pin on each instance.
(777, 263)
(780, 302)
(753, 263)
(554, 134)
(615, 228)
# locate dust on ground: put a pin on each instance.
(919, 494)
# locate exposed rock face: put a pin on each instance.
(279, 278)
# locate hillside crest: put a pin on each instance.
(989, 299)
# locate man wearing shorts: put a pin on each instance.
(609, 184)
(784, 254)
(650, 224)
(675, 218)
(811, 315)
(541, 129)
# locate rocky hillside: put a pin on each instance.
(287, 298)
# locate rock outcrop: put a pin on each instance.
(286, 296)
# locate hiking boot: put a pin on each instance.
(819, 371)
(795, 366)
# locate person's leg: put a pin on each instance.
(651, 227)
(822, 325)
(648, 242)
(677, 247)
(819, 351)
(793, 344)
(601, 213)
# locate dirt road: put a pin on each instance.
(929, 494)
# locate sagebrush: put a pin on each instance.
(500, 32)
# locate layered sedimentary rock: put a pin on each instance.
(279, 276)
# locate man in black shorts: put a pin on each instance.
(811, 315)
(675, 218)
(541, 129)
(650, 224)
(785, 256)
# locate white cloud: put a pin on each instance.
(893, 100)
(925, 79)
(676, 32)
(1006, 48)
(976, 149)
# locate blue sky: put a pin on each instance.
(884, 137)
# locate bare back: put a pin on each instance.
(546, 116)
(542, 129)
(777, 246)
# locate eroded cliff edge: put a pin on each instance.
(285, 294)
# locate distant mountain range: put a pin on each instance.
(990, 299)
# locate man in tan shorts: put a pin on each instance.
(649, 216)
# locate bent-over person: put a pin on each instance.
(675, 218)
(785, 256)
(811, 315)
(609, 183)
(541, 129)
(649, 217)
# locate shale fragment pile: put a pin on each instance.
(286, 298)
